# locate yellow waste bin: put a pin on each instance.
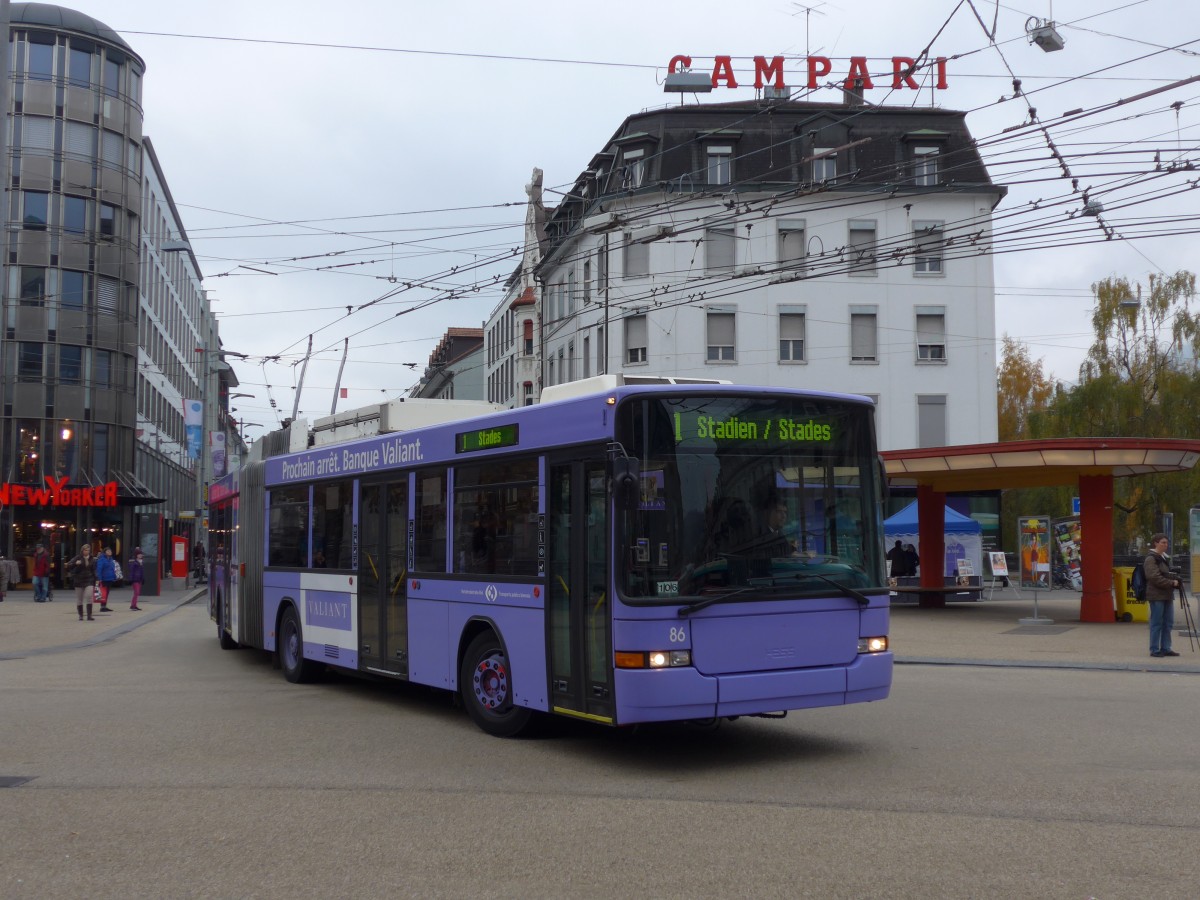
(1129, 607)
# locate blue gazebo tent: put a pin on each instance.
(964, 537)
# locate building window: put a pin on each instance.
(931, 420)
(528, 337)
(112, 77)
(931, 336)
(41, 60)
(80, 67)
(70, 364)
(73, 289)
(602, 267)
(928, 239)
(37, 210)
(587, 281)
(29, 361)
(74, 215)
(107, 294)
(586, 357)
(634, 162)
(37, 133)
(529, 393)
(720, 165)
(102, 374)
(862, 247)
(637, 258)
(719, 249)
(864, 346)
(112, 149)
(33, 286)
(824, 164)
(792, 247)
(80, 140)
(721, 336)
(108, 222)
(571, 291)
(635, 339)
(791, 337)
(925, 166)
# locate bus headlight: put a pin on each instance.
(873, 644)
(653, 659)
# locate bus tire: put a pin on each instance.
(227, 642)
(486, 689)
(296, 668)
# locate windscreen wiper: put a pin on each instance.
(863, 599)
(685, 611)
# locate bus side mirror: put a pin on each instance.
(884, 490)
(626, 482)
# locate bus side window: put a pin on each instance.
(430, 526)
(287, 543)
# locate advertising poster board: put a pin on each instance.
(1033, 538)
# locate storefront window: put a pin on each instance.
(29, 452)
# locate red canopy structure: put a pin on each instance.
(1091, 463)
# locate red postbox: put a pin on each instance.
(179, 556)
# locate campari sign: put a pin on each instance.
(769, 72)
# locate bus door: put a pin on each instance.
(382, 581)
(577, 590)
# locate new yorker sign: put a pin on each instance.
(770, 72)
(56, 493)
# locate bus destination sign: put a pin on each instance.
(486, 439)
(780, 429)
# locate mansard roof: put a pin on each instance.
(771, 144)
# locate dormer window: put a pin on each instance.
(634, 163)
(824, 164)
(925, 166)
(720, 164)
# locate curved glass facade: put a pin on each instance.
(68, 381)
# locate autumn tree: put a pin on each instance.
(1140, 379)
(1023, 389)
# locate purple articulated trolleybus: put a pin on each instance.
(620, 553)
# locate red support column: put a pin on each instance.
(931, 532)
(1096, 523)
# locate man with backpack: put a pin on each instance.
(1161, 584)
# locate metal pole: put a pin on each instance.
(300, 386)
(338, 386)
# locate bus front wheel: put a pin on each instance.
(296, 668)
(486, 686)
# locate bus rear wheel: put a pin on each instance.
(486, 686)
(296, 668)
(227, 642)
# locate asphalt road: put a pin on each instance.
(161, 766)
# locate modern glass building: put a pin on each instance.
(82, 293)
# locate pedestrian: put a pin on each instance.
(106, 574)
(1161, 584)
(41, 574)
(914, 559)
(137, 575)
(899, 560)
(81, 569)
(3, 577)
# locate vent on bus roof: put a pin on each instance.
(599, 383)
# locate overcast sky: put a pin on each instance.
(339, 146)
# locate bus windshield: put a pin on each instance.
(760, 494)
